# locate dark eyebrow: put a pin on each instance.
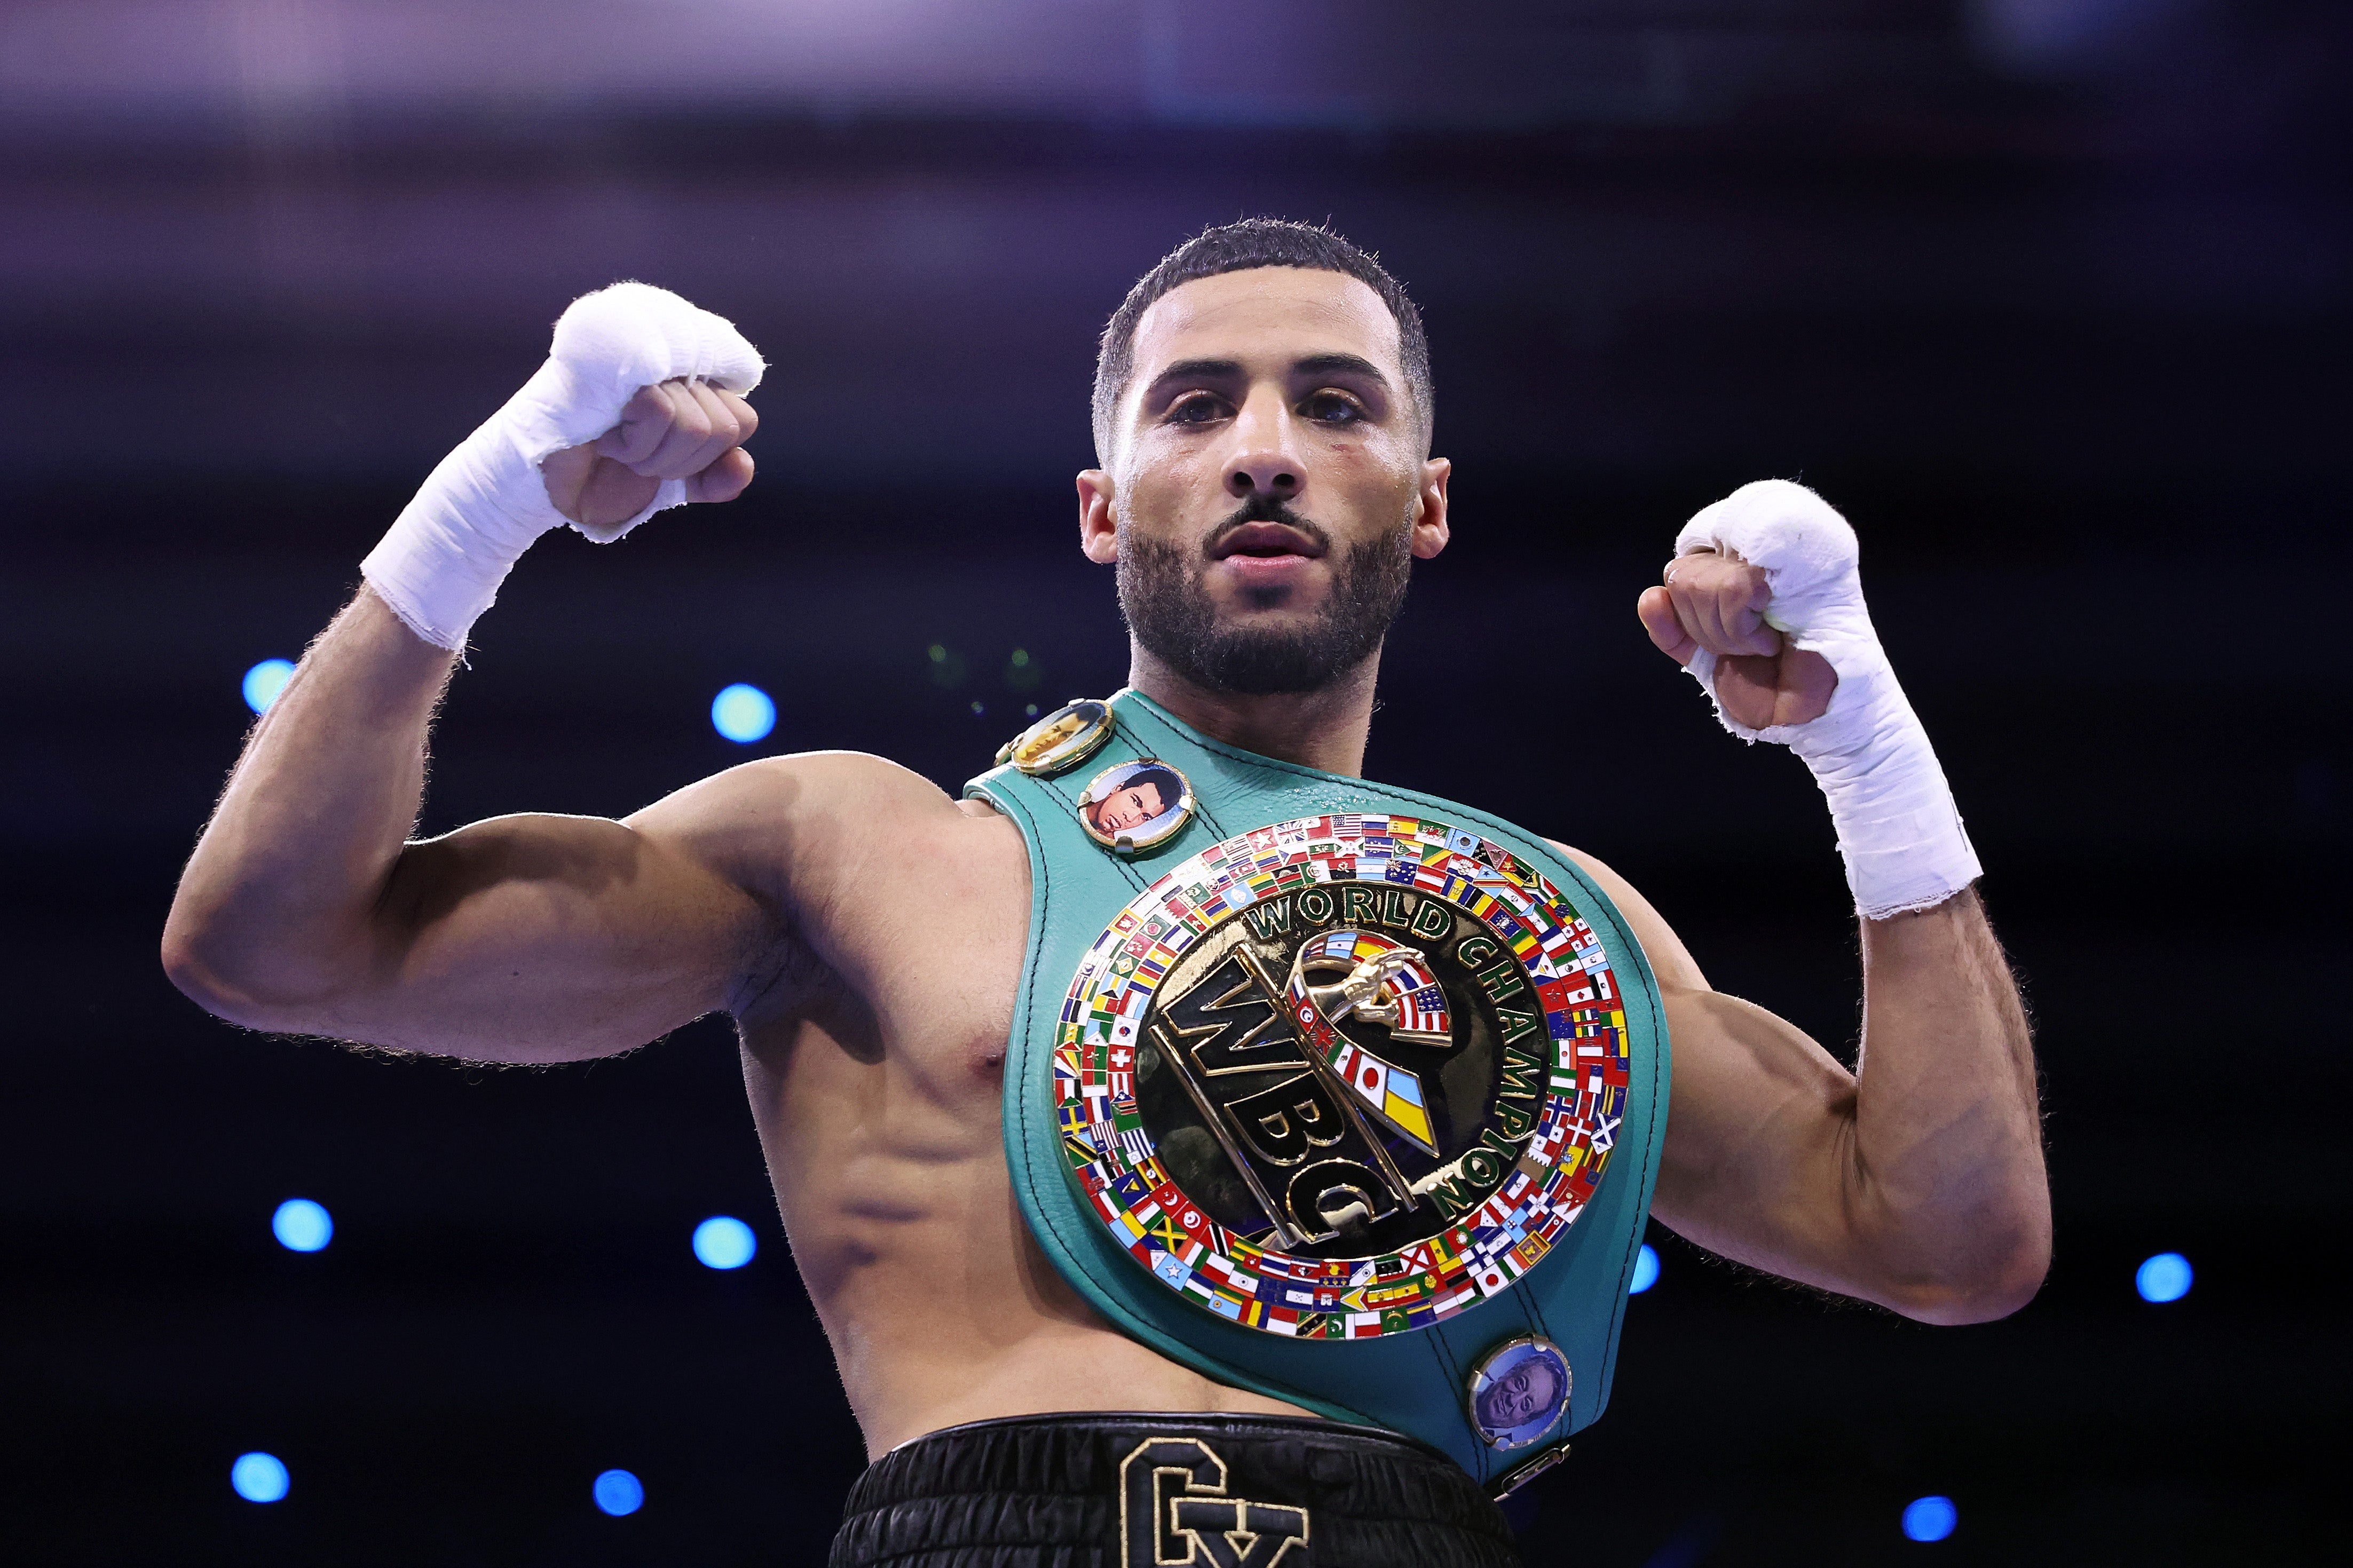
(1351, 364)
(1230, 370)
(1193, 370)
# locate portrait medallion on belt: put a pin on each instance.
(1062, 738)
(1134, 807)
(1343, 1076)
(1518, 1391)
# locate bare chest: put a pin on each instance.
(878, 1087)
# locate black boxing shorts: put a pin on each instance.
(1114, 1490)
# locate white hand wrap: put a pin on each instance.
(1897, 827)
(440, 564)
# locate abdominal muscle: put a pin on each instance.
(890, 1172)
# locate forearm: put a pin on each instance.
(1945, 1189)
(1916, 1182)
(277, 904)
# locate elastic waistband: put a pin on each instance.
(1130, 1490)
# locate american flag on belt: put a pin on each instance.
(1422, 1011)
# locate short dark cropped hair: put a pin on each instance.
(1238, 247)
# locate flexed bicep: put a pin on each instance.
(305, 910)
(541, 938)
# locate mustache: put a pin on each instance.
(1265, 507)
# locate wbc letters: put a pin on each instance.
(1308, 1153)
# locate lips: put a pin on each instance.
(1265, 542)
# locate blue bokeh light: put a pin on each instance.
(1646, 1269)
(619, 1492)
(724, 1242)
(301, 1226)
(265, 680)
(258, 1477)
(743, 713)
(1929, 1518)
(2165, 1278)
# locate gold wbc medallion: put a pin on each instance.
(1062, 739)
(1346, 1076)
(1133, 807)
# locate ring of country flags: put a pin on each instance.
(1110, 1155)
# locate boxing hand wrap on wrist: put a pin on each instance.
(1898, 829)
(440, 564)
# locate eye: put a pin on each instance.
(1196, 408)
(1330, 406)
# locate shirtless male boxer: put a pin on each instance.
(1174, 1261)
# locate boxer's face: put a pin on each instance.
(1268, 489)
(1129, 809)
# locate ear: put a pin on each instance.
(1098, 525)
(1430, 531)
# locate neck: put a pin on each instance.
(1322, 729)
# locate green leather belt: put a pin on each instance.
(1328, 1090)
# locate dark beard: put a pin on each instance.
(1168, 608)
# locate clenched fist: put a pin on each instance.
(1717, 602)
(681, 429)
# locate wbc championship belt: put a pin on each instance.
(1331, 1090)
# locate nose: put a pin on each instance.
(1262, 462)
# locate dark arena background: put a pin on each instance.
(2049, 296)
